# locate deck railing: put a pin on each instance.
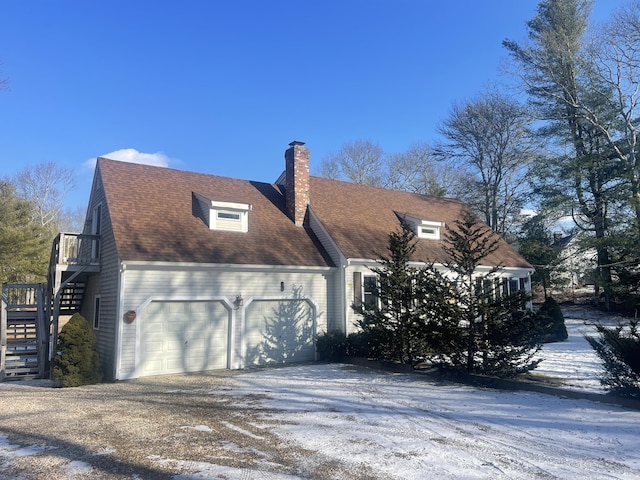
(18, 296)
(76, 249)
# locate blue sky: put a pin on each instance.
(222, 87)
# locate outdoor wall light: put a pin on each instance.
(239, 301)
(282, 286)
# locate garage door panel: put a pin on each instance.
(279, 331)
(151, 326)
(151, 346)
(183, 336)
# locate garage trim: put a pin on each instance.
(141, 311)
(312, 305)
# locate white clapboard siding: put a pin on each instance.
(144, 284)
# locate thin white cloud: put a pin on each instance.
(132, 155)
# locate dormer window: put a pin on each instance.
(226, 216)
(428, 229)
(232, 217)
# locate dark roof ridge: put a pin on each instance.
(181, 171)
(384, 189)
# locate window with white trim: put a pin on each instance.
(227, 216)
(369, 291)
(232, 218)
(222, 215)
(429, 230)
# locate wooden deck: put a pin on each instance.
(23, 332)
(30, 312)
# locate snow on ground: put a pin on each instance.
(574, 362)
(403, 426)
(407, 426)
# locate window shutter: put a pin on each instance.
(357, 289)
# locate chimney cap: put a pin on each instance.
(295, 143)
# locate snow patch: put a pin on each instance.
(77, 468)
(231, 426)
(199, 428)
(212, 471)
(15, 451)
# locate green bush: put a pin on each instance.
(551, 321)
(77, 362)
(362, 344)
(331, 346)
(619, 350)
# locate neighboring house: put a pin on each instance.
(200, 272)
(577, 263)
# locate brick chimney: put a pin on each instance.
(297, 181)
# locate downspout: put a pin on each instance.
(120, 313)
(343, 299)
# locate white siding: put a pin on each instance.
(338, 303)
(144, 283)
(351, 316)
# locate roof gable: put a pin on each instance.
(360, 222)
(154, 219)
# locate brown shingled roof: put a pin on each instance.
(151, 210)
(359, 218)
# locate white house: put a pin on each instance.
(200, 272)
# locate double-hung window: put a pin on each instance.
(369, 291)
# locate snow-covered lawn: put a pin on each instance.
(399, 426)
(380, 425)
(574, 362)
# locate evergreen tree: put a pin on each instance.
(24, 244)
(460, 322)
(551, 321)
(619, 350)
(574, 104)
(500, 336)
(409, 300)
(77, 362)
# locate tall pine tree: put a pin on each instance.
(410, 299)
(495, 333)
(24, 244)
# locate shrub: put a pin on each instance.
(77, 362)
(619, 349)
(332, 346)
(551, 321)
(362, 344)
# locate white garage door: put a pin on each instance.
(279, 331)
(183, 336)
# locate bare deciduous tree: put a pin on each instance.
(416, 170)
(490, 136)
(614, 57)
(360, 161)
(45, 185)
(419, 170)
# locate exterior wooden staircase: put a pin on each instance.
(23, 336)
(31, 312)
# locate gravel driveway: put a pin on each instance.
(147, 428)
